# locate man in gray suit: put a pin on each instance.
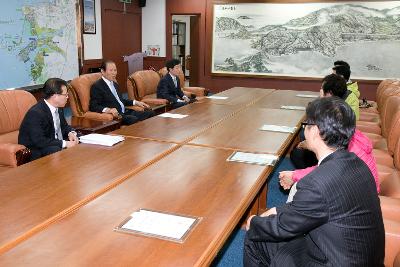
(335, 217)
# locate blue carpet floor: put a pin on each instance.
(232, 253)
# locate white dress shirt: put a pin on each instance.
(114, 92)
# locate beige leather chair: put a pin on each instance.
(13, 107)
(187, 90)
(79, 97)
(142, 86)
(385, 89)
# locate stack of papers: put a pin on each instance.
(172, 115)
(277, 128)
(217, 97)
(293, 107)
(159, 224)
(253, 158)
(307, 96)
(101, 139)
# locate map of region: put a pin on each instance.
(37, 41)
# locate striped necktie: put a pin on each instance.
(58, 125)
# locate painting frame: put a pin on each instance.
(214, 53)
(89, 17)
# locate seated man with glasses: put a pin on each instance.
(44, 129)
(335, 217)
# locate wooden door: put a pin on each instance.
(194, 50)
(121, 35)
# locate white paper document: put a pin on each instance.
(253, 158)
(278, 128)
(293, 107)
(159, 224)
(101, 139)
(172, 115)
(307, 96)
(217, 97)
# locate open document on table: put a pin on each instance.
(172, 115)
(159, 224)
(253, 158)
(278, 128)
(101, 139)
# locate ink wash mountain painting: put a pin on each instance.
(303, 40)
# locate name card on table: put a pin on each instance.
(253, 158)
(101, 139)
(161, 225)
(172, 115)
(293, 107)
(278, 128)
(217, 97)
(307, 96)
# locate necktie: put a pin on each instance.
(58, 126)
(114, 92)
(176, 84)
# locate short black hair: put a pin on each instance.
(342, 70)
(335, 85)
(341, 63)
(53, 86)
(170, 64)
(335, 120)
(104, 63)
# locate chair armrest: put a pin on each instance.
(136, 108)
(98, 116)
(390, 208)
(392, 241)
(14, 155)
(155, 101)
(198, 91)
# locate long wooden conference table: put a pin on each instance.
(61, 210)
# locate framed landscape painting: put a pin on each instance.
(304, 39)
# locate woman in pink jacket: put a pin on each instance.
(359, 145)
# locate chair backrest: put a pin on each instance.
(142, 83)
(79, 92)
(392, 123)
(181, 76)
(386, 88)
(388, 111)
(13, 106)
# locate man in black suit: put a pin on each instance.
(335, 217)
(44, 129)
(105, 98)
(169, 87)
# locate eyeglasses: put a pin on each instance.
(304, 124)
(66, 94)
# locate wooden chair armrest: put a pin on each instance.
(98, 116)
(155, 101)
(14, 155)
(136, 108)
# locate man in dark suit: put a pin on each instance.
(169, 87)
(44, 129)
(335, 217)
(105, 98)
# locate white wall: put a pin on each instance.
(92, 45)
(153, 25)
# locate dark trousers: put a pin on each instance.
(38, 153)
(178, 104)
(258, 254)
(132, 116)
